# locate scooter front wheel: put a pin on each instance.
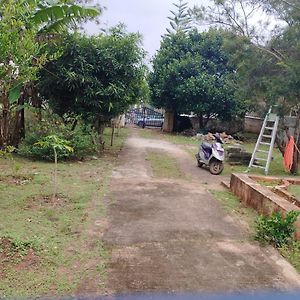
(216, 167)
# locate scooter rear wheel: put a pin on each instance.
(216, 167)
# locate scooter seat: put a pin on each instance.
(206, 146)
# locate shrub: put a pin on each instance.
(276, 229)
(79, 139)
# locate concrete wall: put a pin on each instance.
(253, 124)
(229, 127)
(263, 200)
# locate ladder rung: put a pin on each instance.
(267, 136)
(259, 158)
(269, 128)
(262, 151)
(263, 143)
(256, 166)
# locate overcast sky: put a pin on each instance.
(148, 17)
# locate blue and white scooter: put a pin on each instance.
(212, 155)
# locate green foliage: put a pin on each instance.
(57, 15)
(18, 46)
(7, 151)
(17, 245)
(181, 20)
(97, 77)
(79, 139)
(292, 253)
(276, 229)
(54, 142)
(192, 72)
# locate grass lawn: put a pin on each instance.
(163, 165)
(191, 145)
(45, 245)
(294, 190)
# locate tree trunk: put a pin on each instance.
(200, 121)
(169, 122)
(112, 133)
(4, 126)
(205, 122)
(19, 128)
(295, 166)
(101, 127)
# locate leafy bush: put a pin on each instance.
(276, 229)
(79, 139)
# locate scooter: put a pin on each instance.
(212, 155)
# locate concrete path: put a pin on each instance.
(173, 236)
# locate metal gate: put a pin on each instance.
(145, 116)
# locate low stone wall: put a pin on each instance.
(261, 198)
(253, 124)
(215, 125)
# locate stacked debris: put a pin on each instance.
(235, 154)
(238, 156)
(209, 137)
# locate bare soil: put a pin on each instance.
(12, 258)
(172, 236)
(47, 201)
(15, 179)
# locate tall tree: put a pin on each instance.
(180, 21)
(96, 78)
(23, 52)
(270, 69)
(192, 73)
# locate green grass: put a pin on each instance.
(276, 166)
(163, 165)
(294, 190)
(232, 205)
(191, 145)
(182, 140)
(292, 254)
(150, 133)
(57, 232)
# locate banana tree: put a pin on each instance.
(53, 16)
(22, 53)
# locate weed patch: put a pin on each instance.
(291, 252)
(276, 229)
(279, 232)
(17, 252)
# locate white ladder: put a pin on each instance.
(265, 143)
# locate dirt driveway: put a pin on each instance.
(173, 236)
